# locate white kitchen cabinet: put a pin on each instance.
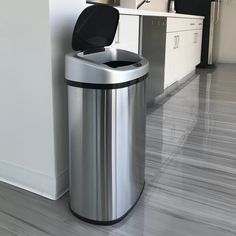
(191, 51)
(178, 57)
(171, 61)
(127, 35)
(187, 53)
(198, 45)
(183, 24)
(183, 48)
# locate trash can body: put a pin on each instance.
(107, 119)
(107, 150)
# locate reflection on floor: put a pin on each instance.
(190, 172)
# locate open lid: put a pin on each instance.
(95, 28)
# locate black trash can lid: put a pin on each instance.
(95, 28)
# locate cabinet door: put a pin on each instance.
(180, 60)
(197, 46)
(192, 41)
(171, 60)
(127, 35)
(186, 54)
(189, 52)
(183, 54)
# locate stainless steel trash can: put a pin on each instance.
(107, 118)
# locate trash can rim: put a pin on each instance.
(85, 73)
(105, 86)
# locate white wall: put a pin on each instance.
(154, 5)
(225, 46)
(26, 119)
(63, 16)
(33, 111)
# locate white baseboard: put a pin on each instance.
(50, 187)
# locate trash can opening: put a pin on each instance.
(115, 64)
(111, 57)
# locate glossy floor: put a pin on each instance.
(190, 172)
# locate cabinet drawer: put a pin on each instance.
(181, 24)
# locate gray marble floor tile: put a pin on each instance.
(190, 172)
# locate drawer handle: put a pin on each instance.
(200, 24)
(176, 41)
(192, 23)
(195, 38)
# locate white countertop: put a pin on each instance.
(127, 11)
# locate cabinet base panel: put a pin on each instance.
(172, 88)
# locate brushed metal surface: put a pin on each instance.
(154, 30)
(90, 68)
(107, 150)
